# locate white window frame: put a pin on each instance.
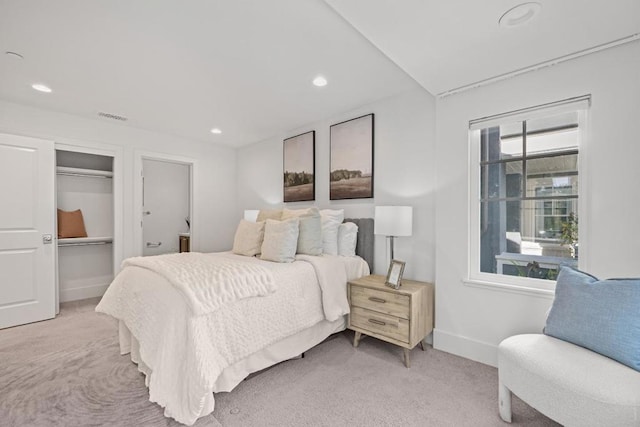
(527, 285)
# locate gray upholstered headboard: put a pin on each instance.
(364, 247)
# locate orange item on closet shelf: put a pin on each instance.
(71, 224)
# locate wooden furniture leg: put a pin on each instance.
(407, 362)
(356, 339)
(422, 345)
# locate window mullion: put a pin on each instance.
(524, 158)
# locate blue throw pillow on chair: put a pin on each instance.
(601, 315)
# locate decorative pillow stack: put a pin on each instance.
(601, 315)
(272, 236)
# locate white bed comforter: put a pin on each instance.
(183, 354)
(207, 281)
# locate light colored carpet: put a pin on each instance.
(68, 372)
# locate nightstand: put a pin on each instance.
(403, 316)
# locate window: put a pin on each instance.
(525, 196)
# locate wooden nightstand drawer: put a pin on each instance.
(380, 324)
(384, 302)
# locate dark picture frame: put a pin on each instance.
(299, 167)
(394, 275)
(351, 164)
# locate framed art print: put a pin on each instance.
(351, 166)
(299, 167)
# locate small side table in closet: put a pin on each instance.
(185, 242)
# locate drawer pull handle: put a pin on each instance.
(380, 300)
(377, 322)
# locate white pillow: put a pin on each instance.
(310, 236)
(331, 220)
(248, 238)
(280, 240)
(347, 239)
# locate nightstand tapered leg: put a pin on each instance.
(356, 339)
(407, 362)
(422, 345)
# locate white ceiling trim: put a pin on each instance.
(541, 65)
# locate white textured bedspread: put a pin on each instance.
(207, 281)
(183, 354)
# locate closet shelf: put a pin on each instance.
(93, 173)
(84, 241)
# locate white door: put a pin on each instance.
(166, 205)
(27, 241)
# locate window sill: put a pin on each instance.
(514, 289)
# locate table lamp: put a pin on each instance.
(393, 221)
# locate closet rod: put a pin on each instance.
(84, 175)
(91, 173)
(82, 244)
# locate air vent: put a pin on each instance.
(112, 116)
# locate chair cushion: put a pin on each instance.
(601, 315)
(568, 383)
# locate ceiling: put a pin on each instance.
(450, 44)
(183, 68)
(246, 66)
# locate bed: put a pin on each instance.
(188, 351)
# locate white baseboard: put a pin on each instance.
(466, 347)
(84, 292)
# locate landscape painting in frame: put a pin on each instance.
(352, 159)
(299, 168)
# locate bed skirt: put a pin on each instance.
(285, 349)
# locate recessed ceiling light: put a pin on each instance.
(216, 131)
(41, 88)
(320, 81)
(520, 15)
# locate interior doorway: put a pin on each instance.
(166, 206)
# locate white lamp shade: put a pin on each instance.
(251, 215)
(394, 220)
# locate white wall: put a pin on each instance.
(404, 174)
(214, 182)
(471, 321)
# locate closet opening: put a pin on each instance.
(85, 224)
